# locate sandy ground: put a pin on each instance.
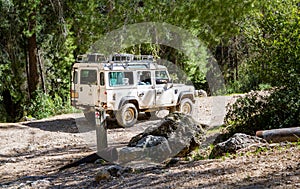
(32, 152)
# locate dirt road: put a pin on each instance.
(32, 152)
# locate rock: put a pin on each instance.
(236, 142)
(103, 174)
(111, 171)
(40, 183)
(150, 141)
(176, 135)
(201, 93)
(115, 170)
(129, 154)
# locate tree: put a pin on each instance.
(272, 35)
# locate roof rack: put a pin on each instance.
(143, 57)
(91, 58)
(123, 59)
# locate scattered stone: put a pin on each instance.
(201, 93)
(112, 171)
(100, 161)
(26, 118)
(115, 170)
(41, 183)
(236, 142)
(103, 174)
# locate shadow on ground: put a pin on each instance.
(67, 125)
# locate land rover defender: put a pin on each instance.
(126, 85)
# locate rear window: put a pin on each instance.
(88, 77)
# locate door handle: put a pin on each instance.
(141, 94)
(80, 89)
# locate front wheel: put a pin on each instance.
(127, 115)
(186, 106)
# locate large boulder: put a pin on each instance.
(176, 135)
(236, 142)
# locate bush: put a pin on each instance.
(43, 105)
(278, 108)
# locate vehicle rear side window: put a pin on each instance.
(120, 78)
(88, 77)
(75, 77)
(102, 79)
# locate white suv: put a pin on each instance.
(125, 85)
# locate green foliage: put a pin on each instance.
(260, 111)
(272, 36)
(264, 86)
(44, 106)
(263, 38)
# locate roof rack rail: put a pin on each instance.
(143, 57)
(115, 58)
(122, 57)
(92, 58)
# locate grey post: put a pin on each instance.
(101, 129)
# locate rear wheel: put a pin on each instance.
(186, 106)
(127, 115)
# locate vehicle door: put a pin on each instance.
(145, 89)
(87, 86)
(163, 89)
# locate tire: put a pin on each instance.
(127, 115)
(90, 117)
(186, 106)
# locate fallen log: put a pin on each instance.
(280, 135)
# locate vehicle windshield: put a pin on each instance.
(161, 77)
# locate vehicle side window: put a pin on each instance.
(75, 77)
(102, 79)
(144, 78)
(129, 75)
(120, 78)
(88, 77)
(161, 77)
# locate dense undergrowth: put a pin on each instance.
(262, 110)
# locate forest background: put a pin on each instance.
(256, 44)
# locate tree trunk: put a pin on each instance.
(41, 66)
(33, 79)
